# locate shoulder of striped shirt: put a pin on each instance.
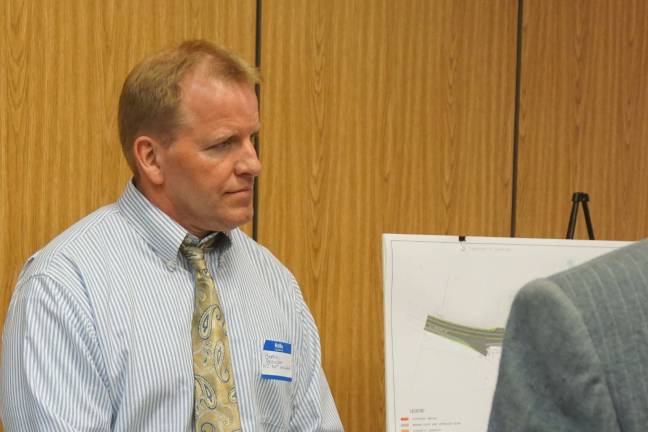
(55, 250)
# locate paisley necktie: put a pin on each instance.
(215, 404)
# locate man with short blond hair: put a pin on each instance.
(156, 312)
(151, 95)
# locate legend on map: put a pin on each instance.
(418, 421)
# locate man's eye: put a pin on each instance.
(222, 145)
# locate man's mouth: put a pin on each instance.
(241, 191)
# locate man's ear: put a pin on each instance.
(147, 152)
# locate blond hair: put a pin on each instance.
(150, 99)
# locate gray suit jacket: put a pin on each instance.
(575, 354)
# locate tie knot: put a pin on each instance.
(195, 254)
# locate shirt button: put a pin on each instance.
(171, 265)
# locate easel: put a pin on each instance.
(577, 198)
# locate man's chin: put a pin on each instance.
(236, 221)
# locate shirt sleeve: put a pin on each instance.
(314, 409)
(51, 374)
(550, 377)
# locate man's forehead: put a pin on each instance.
(203, 78)
(207, 96)
(203, 95)
(193, 86)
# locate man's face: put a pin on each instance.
(209, 169)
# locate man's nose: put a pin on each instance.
(249, 163)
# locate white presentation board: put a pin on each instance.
(446, 304)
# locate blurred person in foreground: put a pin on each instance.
(575, 354)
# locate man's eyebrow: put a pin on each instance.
(228, 133)
(216, 138)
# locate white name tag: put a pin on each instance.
(276, 361)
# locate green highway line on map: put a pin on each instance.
(476, 338)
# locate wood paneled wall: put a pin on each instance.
(584, 112)
(378, 117)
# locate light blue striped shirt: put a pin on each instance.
(98, 334)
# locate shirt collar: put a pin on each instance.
(217, 240)
(163, 234)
